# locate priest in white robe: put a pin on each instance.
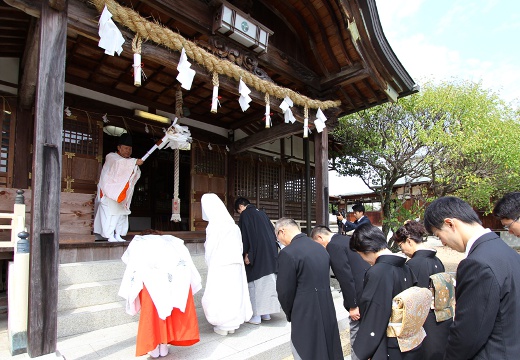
(226, 300)
(115, 189)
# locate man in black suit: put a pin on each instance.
(349, 269)
(507, 210)
(303, 287)
(487, 314)
(359, 214)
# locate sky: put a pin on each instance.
(440, 40)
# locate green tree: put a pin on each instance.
(459, 135)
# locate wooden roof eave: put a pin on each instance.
(383, 51)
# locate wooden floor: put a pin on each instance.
(80, 248)
(76, 251)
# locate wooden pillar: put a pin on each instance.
(321, 171)
(231, 176)
(308, 191)
(45, 224)
(281, 192)
(24, 114)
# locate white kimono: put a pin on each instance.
(111, 215)
(164, 265)
(226, 297)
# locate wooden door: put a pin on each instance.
(82, 155)
(208, 174)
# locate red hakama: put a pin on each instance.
(180, 329)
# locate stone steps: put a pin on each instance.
(88, 295)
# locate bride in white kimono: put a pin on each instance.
(226, 300)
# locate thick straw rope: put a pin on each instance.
(136, 44)
(163, 36)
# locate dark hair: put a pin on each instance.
(368, 238)
(508, 207)
(410, 230)
(320, 230)
(241, 201)
(150, 232)
(358, 207)
(448, 207)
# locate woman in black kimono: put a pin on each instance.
(387, 277)
(424, 263)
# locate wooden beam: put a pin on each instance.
(29, 67)
(46, 182)
(84, 20)
(345, 76)
(308, 188)
(58, 5)
(266, 136)
(31, 7)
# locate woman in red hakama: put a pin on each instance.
(180, 329)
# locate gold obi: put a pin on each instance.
(409, 311)
(443, 289)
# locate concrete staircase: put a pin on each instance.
(92, 322)
(88, 300)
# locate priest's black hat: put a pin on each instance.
(125, 139)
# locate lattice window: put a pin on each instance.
(245, 179)
(268, 186)
(209, 161)
(6, 142)
(80, 137)
(5, 136)
(294, 184)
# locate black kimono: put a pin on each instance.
(384, 280)
(259, 243)
(423, 264)
(303, 287)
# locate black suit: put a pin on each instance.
(487, 313)
(348, 226)
(349, 269)
(303, 287)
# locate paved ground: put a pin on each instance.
(266, 341)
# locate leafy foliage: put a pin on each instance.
(458, 135)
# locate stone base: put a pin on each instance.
(51, 356)
(18, 342)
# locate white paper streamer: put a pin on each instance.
(186, 74)
(286, 106)
(214, 100)
(110, 38)
(244, 92)
(289, 117)
(320, 121)
(137, 69)
(267, 116)
(306, 127)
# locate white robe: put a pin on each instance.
(164, 265)
(111, 215)
(226, 301)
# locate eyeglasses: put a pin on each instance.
(511, 223)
